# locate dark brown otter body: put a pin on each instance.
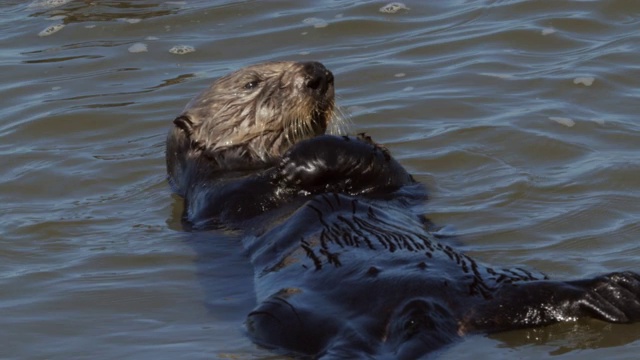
(345, 266)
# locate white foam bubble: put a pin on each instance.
(548, 31)
(47, 4)
(399, 75)
(152, 38)
(182, 49)
(568, 122)
(499, 76)
(138, 48)
(586, 80)
(90, 26)
(316, 22)
(393, 8)
(50, 30)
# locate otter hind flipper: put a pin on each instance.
(614, 297)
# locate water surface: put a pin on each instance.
(521, 116)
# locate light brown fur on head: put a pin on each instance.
(252, 116)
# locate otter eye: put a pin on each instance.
(411, 326)
(415, 324)
(251, 84)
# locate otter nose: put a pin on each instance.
(318, 77)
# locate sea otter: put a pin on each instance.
(345, 264)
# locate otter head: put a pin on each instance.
(252, 116)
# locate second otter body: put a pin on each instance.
(345, 265)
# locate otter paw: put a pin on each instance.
(326, 164)
(311, 163)
(351, 165)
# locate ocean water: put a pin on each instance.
(520, 116)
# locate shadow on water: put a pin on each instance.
(222, 268)
(566, 338)
(223, 272)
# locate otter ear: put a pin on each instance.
(184, 122)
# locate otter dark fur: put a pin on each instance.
(345, 264)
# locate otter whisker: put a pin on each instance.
(341, 122)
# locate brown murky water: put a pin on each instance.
(521, 116)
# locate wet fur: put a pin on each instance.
(345, 264)
(250, 117)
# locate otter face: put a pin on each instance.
(256, 113)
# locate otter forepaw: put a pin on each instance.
(340, 164)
